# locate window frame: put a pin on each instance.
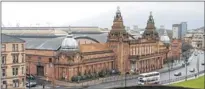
(13, 47)
(3, 72)
(3, 47)
(3, 61)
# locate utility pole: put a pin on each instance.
(185, 61)
(29, 74)
(198, 63)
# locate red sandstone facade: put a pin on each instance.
(121, 51)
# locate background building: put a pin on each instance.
(198, 39)
(183, 30)
(13, 63)
(179, 30)
(175, 31)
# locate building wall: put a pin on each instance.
(40, 58)
(85, 41)
(198, 40)
(70, 65)
(8, 65)
(175, 33)
(183, 29)
(176, 49)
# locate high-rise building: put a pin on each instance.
(135, 27)
(176, 31)
(179, 30)
(183, 29)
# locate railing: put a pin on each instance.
(121, 78)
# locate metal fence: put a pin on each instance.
(121, 78)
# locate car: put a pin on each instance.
(192, 70)
(31, 83)
(202, 63)
(183, 64)
(177, 74)
(30, 76)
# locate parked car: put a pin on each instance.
(31, 83)
(183, 64)
(30, 76)
(192, 70)
(177, 74)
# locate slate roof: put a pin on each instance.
(43, 43)
(55, 43)
(9, 39)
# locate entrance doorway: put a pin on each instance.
(40, 70)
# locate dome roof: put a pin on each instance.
(69, 44)
(165, 39)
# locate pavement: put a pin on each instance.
(164, 76)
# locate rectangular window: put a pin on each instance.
(16, 83)
(50, 60)
(3, 72)
(15, 58)
(13, 47)
(22, 47)
(23, 59)
(3, 47)
(22, 70)
(15, 71)
(4, 86)
(17, 47)
(3, 59)
(23, 81)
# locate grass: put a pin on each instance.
(194, 83)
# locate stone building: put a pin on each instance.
(176, 46)
(198, 39)
(13, 63)
(137, 55)
(65, 57)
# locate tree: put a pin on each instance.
(186, 47)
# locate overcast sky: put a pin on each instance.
(101, 13)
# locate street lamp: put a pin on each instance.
(185, 63)
(53, 74)
(29, 75)
(197, 65)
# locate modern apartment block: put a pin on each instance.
(183, 29)
(179, 30)
(175, 31)
(13, 63)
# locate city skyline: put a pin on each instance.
(65, 14)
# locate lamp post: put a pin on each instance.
(53, 74)
(197, 65)
(168, 61)
(29, 73)
(185, 62)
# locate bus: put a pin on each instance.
(149, 78)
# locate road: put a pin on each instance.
(163, 76)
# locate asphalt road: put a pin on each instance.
(163, 76)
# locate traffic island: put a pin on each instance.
(153, 87)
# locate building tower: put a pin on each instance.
(118, 41)
(150, 32)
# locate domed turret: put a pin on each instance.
(164, 38)
(69, 43)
